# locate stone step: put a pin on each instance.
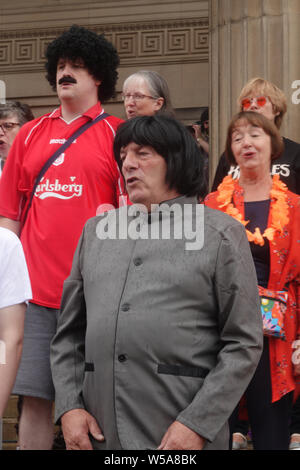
(11, 410)
(9, 446)
(9, 430)
(10, 419)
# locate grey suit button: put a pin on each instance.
(122, 358)
(125, 307)
(137, 261)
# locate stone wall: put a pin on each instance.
(206, 50)
(170, 37)
(251, 38)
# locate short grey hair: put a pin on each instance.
(22, 110)
(158, 88)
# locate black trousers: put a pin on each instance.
(295, 420)
(269, 422)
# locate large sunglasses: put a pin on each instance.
(260, 101)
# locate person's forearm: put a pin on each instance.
(11, 342)
(11, 355)
(13, 225)
(203, 144)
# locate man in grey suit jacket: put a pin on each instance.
(160, 329)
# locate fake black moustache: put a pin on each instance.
(66, 79)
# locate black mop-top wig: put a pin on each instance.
(170, 139)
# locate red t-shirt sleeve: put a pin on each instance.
(13, 190)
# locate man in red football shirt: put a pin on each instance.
(82, 68)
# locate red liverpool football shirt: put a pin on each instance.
(73, 189)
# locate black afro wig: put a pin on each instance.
(99, 57)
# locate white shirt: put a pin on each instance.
(15, 285)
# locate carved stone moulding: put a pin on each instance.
(137, 43)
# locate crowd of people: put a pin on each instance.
(112, 323)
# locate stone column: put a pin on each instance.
(252, 38)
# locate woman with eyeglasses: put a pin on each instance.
(265, 98)
(146, 93)
(271, 216)
(13, 115)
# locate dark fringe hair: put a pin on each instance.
(169, 138)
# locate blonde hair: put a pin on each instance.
(258, 86)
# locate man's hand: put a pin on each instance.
(76, 425)
(180, 437)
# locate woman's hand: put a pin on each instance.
(296, 357)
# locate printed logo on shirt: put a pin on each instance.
(277, 169)
(58, 190)
(60, 141)
(59, 160)
(283, 170)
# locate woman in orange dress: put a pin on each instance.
(271, 215)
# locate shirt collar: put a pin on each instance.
(181, 200)
(163, 207)
(91, 113)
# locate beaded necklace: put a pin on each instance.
(279, 210)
